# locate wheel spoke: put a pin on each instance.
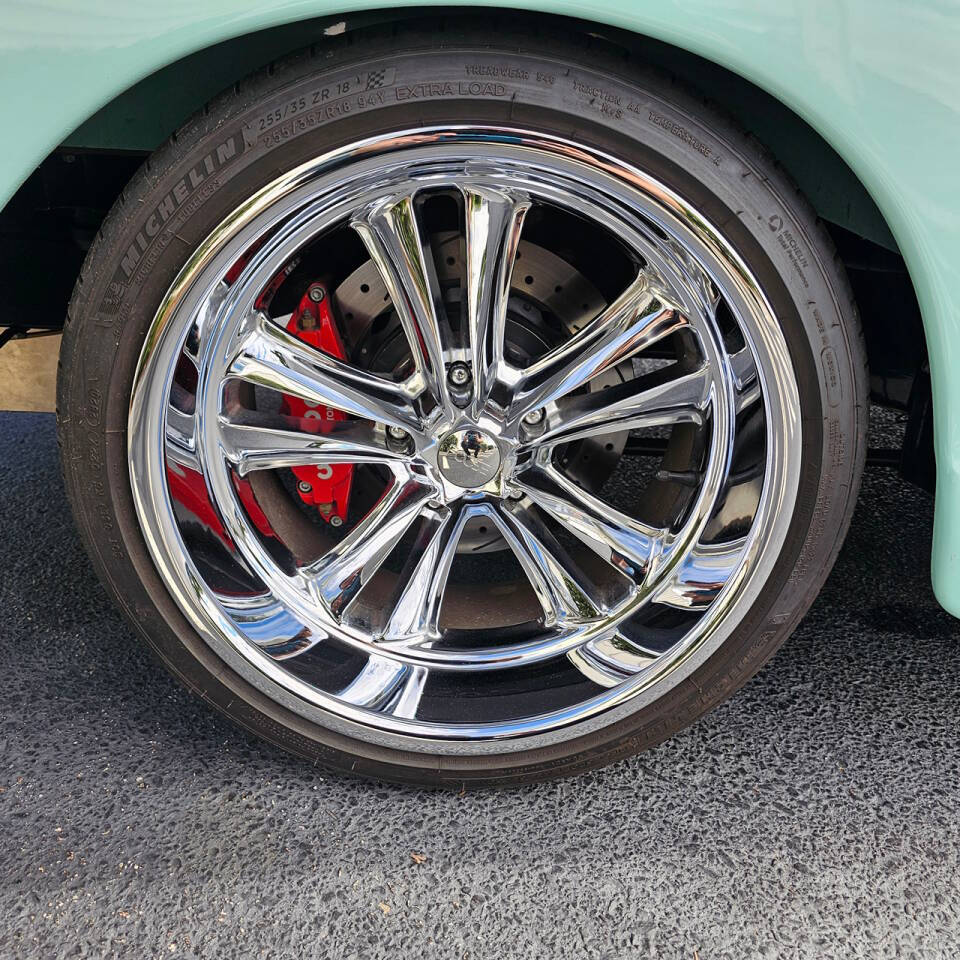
(682, 280)
(414, 608)
(271, 357)
(702, 574)
(250, 446)
(407, 701)
(205, 323)
(387, 686)
(609, 661)
(494, 221)
(627, 544)
(636, 319)
(338, 577)
(181, 439)
(565, 592)
(744, 370)
(272, 627)
(391, 232)
(654, 400)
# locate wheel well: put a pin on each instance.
(54, 216)
(143, 116)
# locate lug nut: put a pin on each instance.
(532, 418)
(304, 487)
(515, 494)
(396, 433)
(459, 374)
(316, 294)
(336, 521)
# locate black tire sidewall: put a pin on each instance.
(250, 136)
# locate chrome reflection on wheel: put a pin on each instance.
(464, 440)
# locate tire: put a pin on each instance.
(369, 86)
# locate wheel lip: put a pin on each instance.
(146, 452)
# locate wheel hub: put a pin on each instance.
(468, 458)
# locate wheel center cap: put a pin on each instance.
(468, 457)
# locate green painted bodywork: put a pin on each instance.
(879, 80)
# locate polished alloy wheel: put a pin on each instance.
(562, 402)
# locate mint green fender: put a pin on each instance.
(878, 79)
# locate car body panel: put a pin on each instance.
(878, 79)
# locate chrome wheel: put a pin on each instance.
(562, 408)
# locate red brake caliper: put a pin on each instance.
(327, 486)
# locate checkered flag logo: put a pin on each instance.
(376, 78)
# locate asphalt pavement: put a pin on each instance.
(817, 814)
